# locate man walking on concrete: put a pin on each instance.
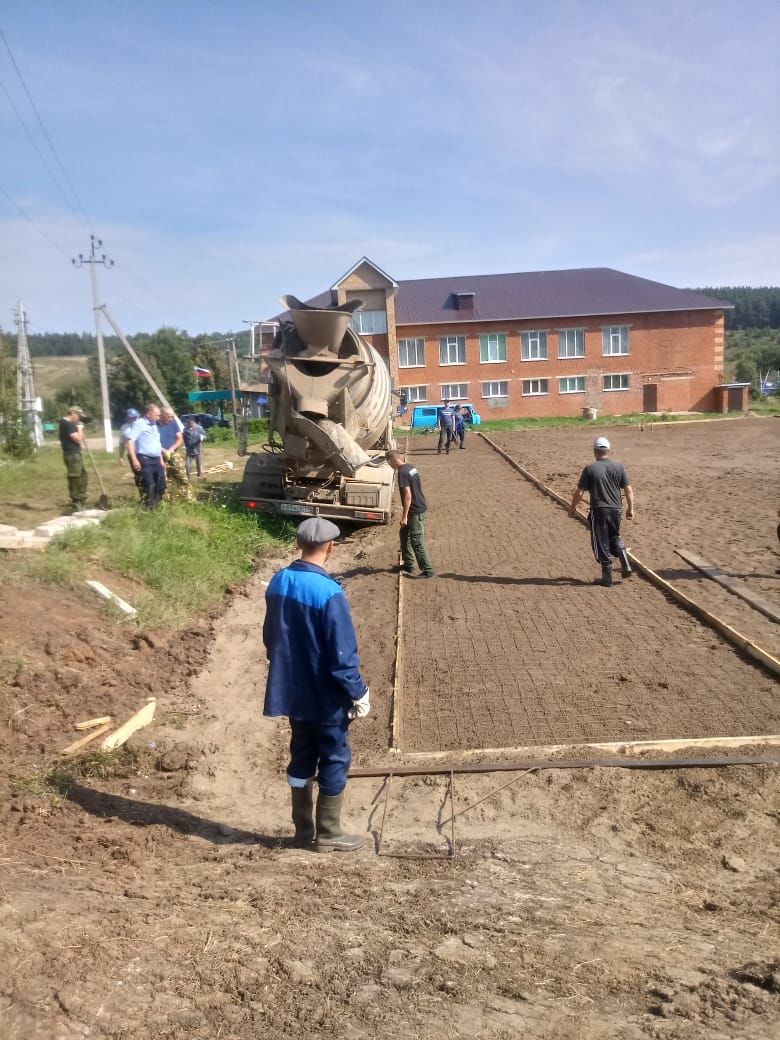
(605, 480)
(314, 679)
(71, 440)
(413, 510)
(445, 421)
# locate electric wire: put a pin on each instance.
(44, 160)
(27, 217)
(44, 130)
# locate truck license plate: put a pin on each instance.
(292, 507)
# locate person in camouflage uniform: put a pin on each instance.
(172, 440)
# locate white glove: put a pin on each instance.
(360, 708)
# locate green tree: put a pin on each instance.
(211, 355)
(127, 388)
(172, 350)
(746, 370)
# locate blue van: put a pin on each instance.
(424, 415)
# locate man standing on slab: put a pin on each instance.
(314, 679)
(605, 481)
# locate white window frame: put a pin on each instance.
(410, 393)
(563, 344)
(486, 388)
(615, 375)
(538, 392)
(534, 342)
(567, 379)
(418, 345)
(454, 397)
(615, 336)
(456, 342)
(494, 342)
(365, 322)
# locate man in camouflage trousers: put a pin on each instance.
(172, 440)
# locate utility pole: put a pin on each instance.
(93, 261)
(29, 404)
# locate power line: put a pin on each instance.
(44, 160)
(43, 129)
(27, 217)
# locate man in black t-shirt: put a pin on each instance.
(413, 510)
(71, 439)
(606, 481)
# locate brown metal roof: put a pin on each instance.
(577, 293)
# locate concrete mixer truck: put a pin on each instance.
(330, 400)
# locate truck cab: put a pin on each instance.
(424, 415)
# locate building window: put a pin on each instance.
(535, 387)
(498, 388)
(534, 346)
(411, 353)
(415, 394)
(615, 339)
(571, 385)
(452, 350)
(454, 391)
(571, 343)
(492, 347)
(369, 322)
(619, 382)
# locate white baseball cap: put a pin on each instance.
(602, 444)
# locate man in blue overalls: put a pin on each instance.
(314, 679)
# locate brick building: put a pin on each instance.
(544, 343)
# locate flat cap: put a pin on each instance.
(316, 531)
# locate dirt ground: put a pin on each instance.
(163, 901)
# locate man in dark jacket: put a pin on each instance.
(314, 679)
(71, 439)
(605, 481)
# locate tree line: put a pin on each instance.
(753, 308)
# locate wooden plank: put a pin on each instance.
(730, 583)
(91, 723)
(135, 722)
(626, 747)
(82, 742)
(532, 765)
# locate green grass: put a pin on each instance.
(765, 406)
(52, 374)
(182, 557)
(55, 781)
(35, 489)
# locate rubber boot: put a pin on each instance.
(625, 564)
(330, 837)
(303, 815)
(606, 576)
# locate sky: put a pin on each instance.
(229, 152)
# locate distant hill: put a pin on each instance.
(52, 374)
